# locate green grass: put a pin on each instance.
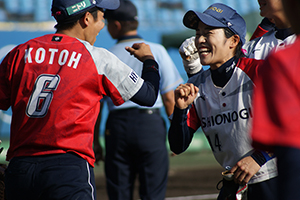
(193, 159)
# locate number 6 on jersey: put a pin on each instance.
(42, 95)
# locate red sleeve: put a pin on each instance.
(193, 120)
(258, 32)
(250, 66)
(4, 86)
(7, 68)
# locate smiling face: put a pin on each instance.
(214, 48)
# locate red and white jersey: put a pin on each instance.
(54, 84)
(277, 100)
(259, 48)
(224, 114)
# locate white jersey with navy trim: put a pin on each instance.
(224, 115)
(259, 48)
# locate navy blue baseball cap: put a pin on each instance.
(64, 10)
(218, 15)
(126, 12)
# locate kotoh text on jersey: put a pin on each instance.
(52, 55)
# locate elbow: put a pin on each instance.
(151, 102)
(175, 146)
(175, 150)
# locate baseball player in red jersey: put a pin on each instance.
(219, 100)
(54, 84)
(276, 109)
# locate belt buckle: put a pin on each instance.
(149, 111)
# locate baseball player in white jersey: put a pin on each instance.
(277, 38)
(219, 100)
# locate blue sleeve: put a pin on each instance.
(147, 94)
(180, 135)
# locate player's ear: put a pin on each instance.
(118, 25)
(85, 20)
(234, 41)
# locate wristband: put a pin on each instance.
(268, 156)
(261, 157)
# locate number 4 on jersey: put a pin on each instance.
(42, 95)
(217, 144)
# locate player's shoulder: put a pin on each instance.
(249, 66)
(94, 49)
(247, 61)
(153, 45)
(200, 78)
(258, 42)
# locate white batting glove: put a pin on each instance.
(190, 56)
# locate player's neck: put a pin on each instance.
(73, 32)
(131, 33)
(281, 21)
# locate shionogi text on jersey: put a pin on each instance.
(52, 56)
(228, 117)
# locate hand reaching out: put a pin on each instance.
(141, 51)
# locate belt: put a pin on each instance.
(149, 111)
(137, 110)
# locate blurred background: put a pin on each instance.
(160, 21)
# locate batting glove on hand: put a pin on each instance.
(190, 56)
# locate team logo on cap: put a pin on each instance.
(78, 7)
(219, 10)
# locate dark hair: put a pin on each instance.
(238, 53)
(129, 25)
(71, 22)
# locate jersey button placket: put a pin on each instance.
(223, 94)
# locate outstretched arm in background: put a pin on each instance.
(147, 94)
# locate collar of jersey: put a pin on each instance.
(283, 33)
(129, 38)
(222, 75)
